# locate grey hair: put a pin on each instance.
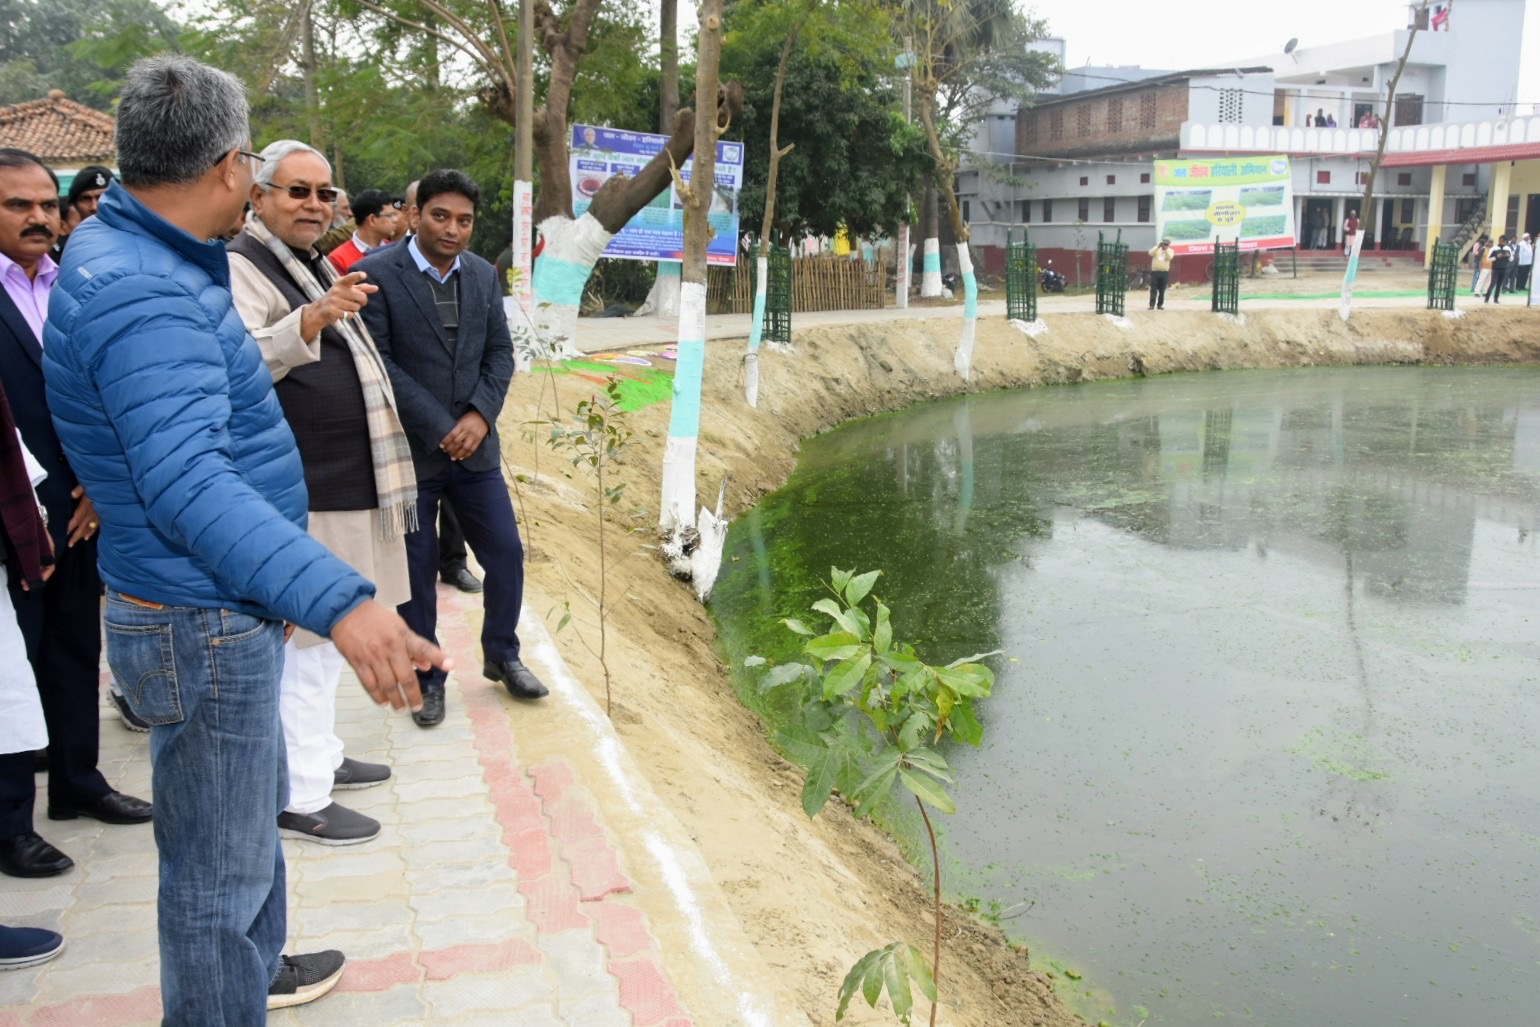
(177, 117)
(274, 153)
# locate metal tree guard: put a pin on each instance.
(1111, 274)
(1020, 278)
(777, 327)
(1442, 274)
(1226, 298)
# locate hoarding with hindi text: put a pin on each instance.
(1201, 202)
(657, 230)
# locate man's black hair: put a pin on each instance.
(448, 180)
(11, 157)
(368, 203)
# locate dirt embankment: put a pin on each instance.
(814, 895)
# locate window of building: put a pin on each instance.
(1084, 210)
(1323, 178)
(1144, 178)
(1115, 114)
(1026, 211)
(1112, 179)
(1144, 209)
(965, 215)
(1408, 211)
(1408, 109)
(1404, 178)
(1109, 209)
(1469, 178)
(1361, 177)
(1083, 120)
(1468, 207)
(1056, 123)
(1232, 106)
(1047, 211)
(1147, 112)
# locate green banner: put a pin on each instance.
(1199, 202)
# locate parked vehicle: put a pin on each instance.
(1050, 280)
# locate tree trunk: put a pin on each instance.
(762, 262)
(930, 247)
(963, 359)
(1367, 222)
(689, 543)
(668, 72)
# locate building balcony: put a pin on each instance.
(1476, 142)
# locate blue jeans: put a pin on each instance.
(207, 681)
(481, 501)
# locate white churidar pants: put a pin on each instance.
(307, 704)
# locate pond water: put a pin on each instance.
(1266, 745)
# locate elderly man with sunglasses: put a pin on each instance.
(337, 398)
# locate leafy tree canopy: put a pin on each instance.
(78, 46)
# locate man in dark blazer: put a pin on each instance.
(438, 322)
(60, 622)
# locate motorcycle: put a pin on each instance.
(1050, 280)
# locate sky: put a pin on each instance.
(1160, 35)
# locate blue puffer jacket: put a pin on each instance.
(168, 417)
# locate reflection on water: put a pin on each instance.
(1267, 746)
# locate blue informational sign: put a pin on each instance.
(657, 231)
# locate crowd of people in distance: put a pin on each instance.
(247, 424)
(1501, 266)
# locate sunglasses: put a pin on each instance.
(302, 192)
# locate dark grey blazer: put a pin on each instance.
(436, 384)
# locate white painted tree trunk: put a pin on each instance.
(663, 298)
(930, 272)
(677, 509)
(561, 273)
(963, 360)
(904, 255)
(756, 331)
(1345, 309)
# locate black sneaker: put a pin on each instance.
(358, 774)
(131, 720)
(334, 825)
(305, 978)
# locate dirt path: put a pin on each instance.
(814, 896)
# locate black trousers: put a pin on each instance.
(61, 624)
(1158, 282)
(451, 541)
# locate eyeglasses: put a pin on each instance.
(254, 157)
(302, 192)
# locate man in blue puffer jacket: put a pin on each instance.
(168, 417)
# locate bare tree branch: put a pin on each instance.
(478, 55)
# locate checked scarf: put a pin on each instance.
(394, 479)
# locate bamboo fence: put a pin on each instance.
(820, 282)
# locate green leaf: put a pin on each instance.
(854, 981)
(976, 657)
(785, 674)
(964, 725)
(860, 587)
(919, 970)
(930, 761)
(882, 637)
(972, 679)
(798, 627)
(818, 786)
(878, 783)
(896, 975)
(841, 617)
(803, 746)
(847, 675)
(909, 735)
(839, 578)
(927, 791)
(840, 645)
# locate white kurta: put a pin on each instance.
(21, 710)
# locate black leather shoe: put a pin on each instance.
(27, 855)
(517, 678)
(463, 579)
(432, 711)
(112, 808)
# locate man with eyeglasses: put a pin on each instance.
(337, 399)
(376, 215)
(169, 418)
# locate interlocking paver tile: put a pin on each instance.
(467, 992)
(446, 905)
(486, 927)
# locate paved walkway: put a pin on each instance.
(525, 876)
